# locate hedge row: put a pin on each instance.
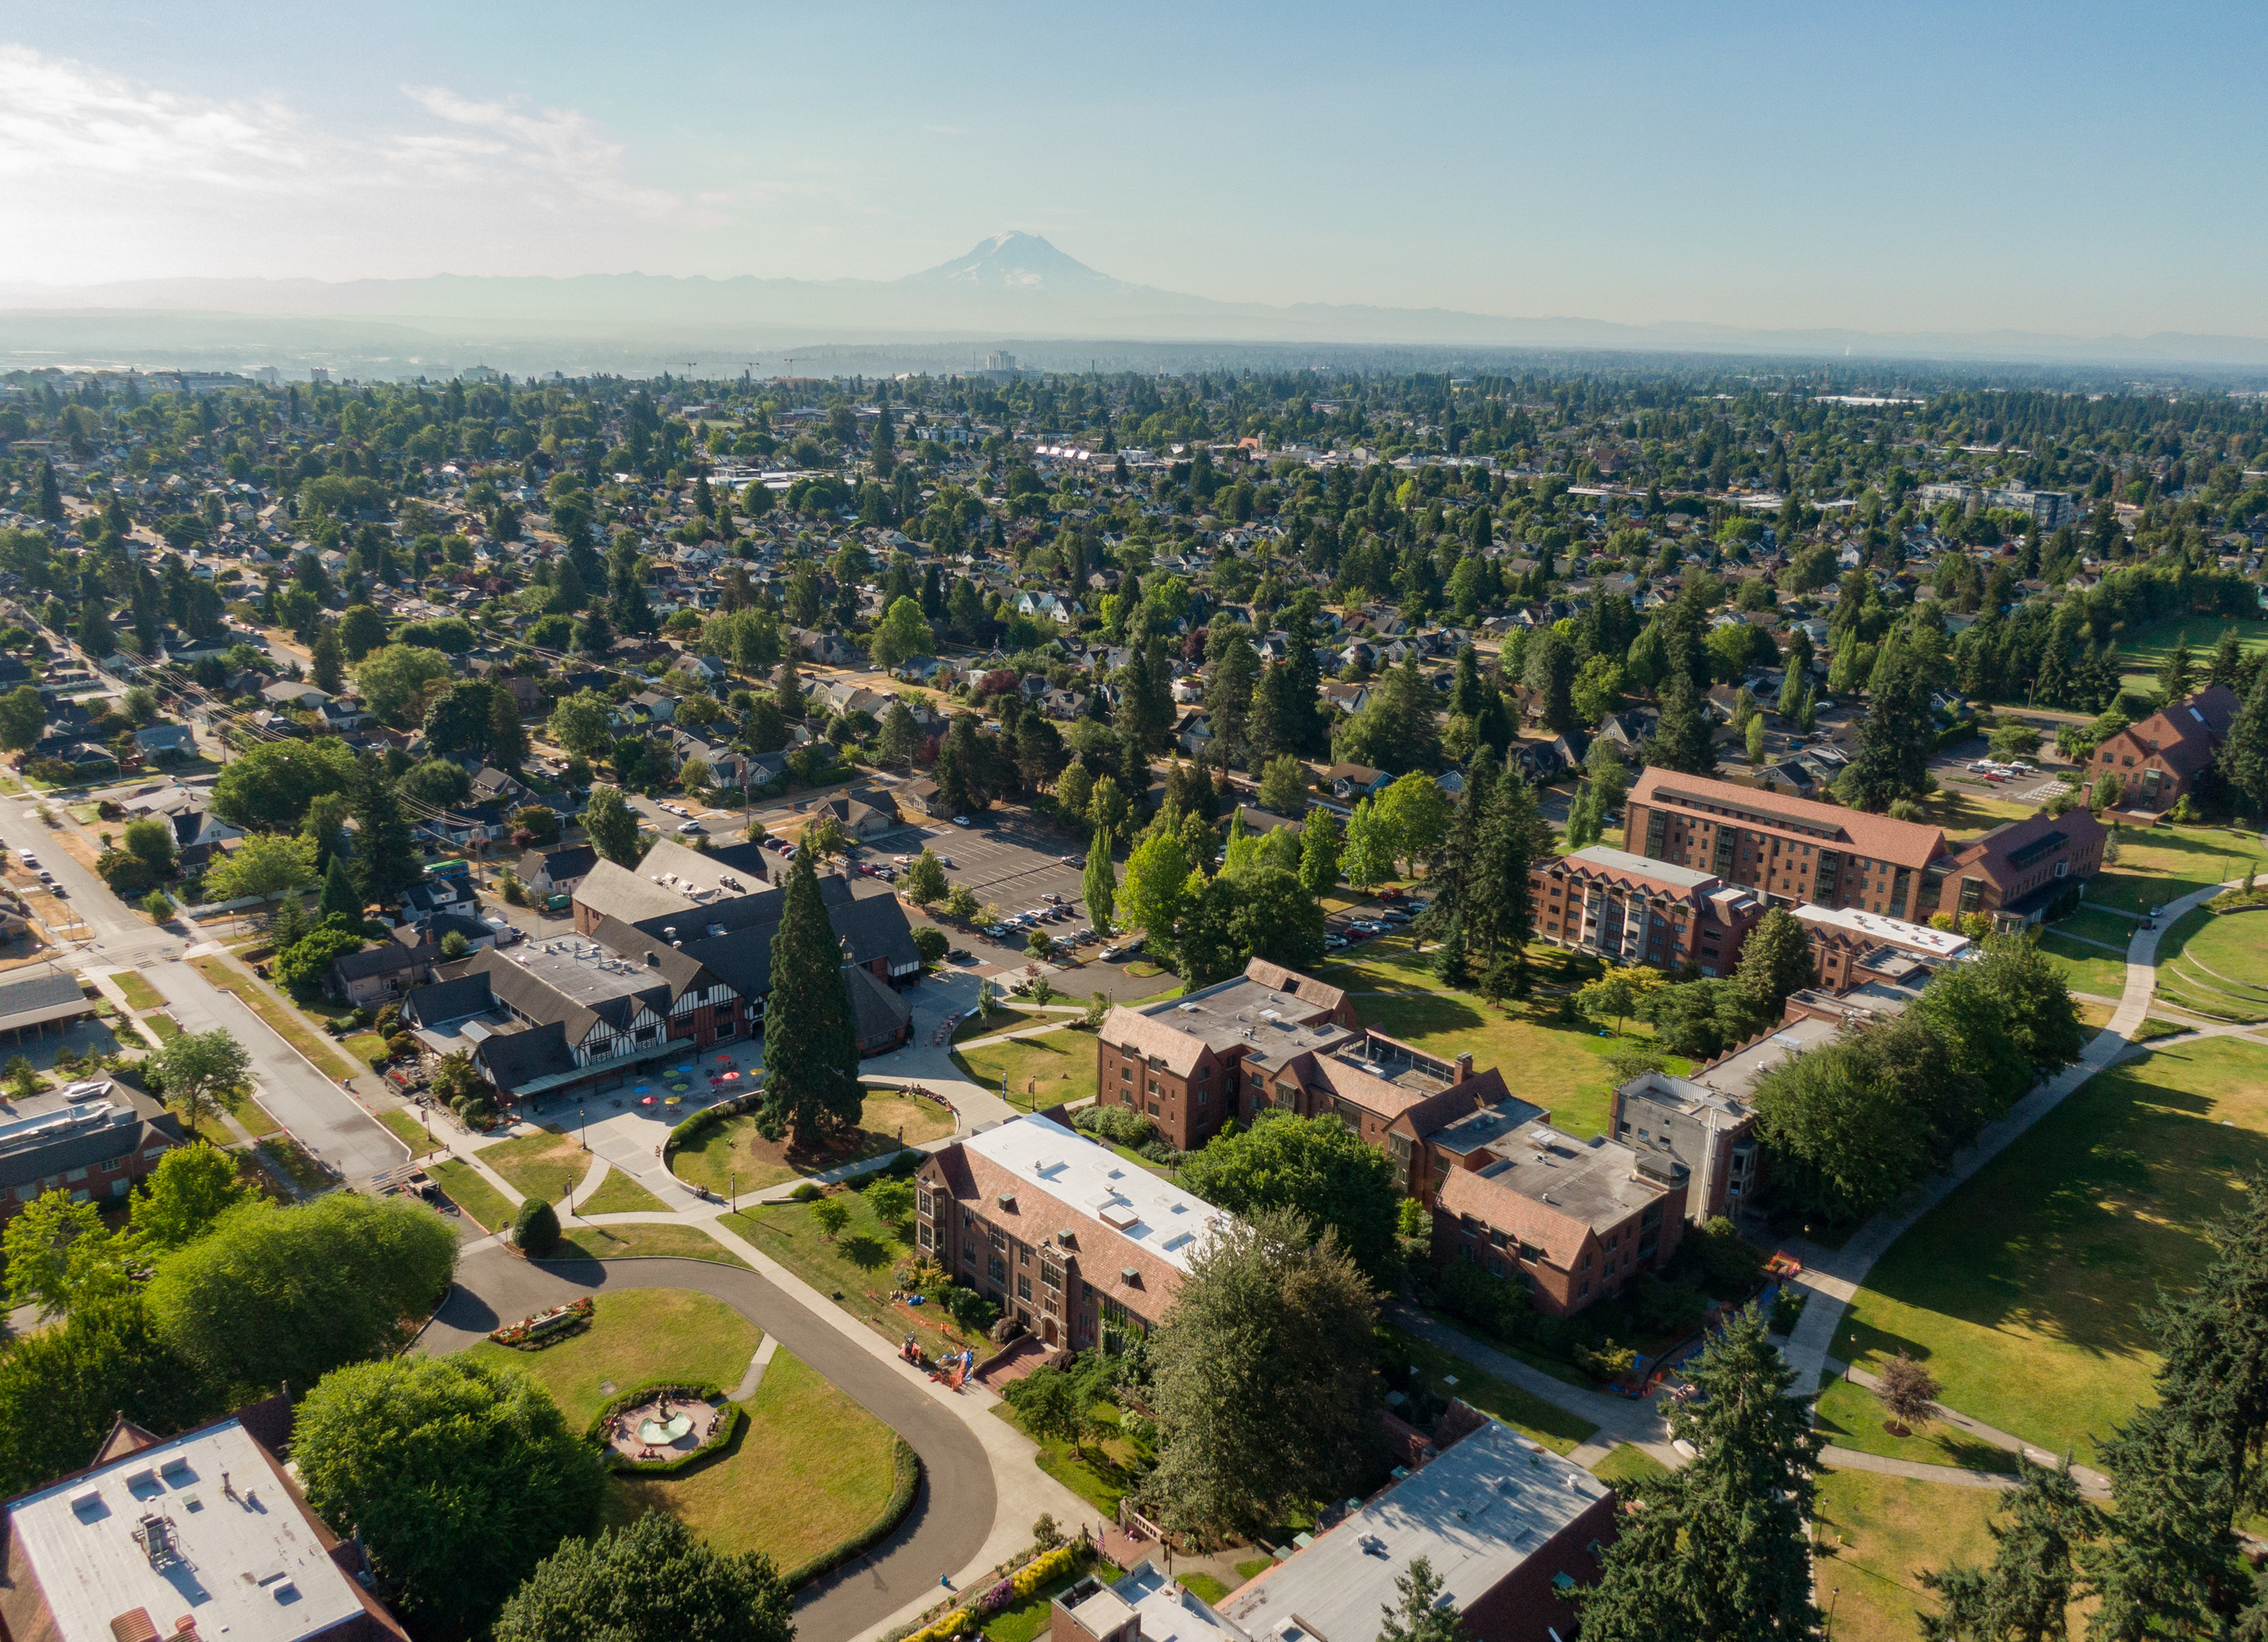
(907, 1464)
(729, 1427)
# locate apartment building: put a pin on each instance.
(1630, 909)
(1083, 1249)
(197, 1537)
(2161, 758)
(1572, 1221)
(1791, 850)
(93, 1139)
(1181, 1062)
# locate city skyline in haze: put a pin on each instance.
(1926, 168)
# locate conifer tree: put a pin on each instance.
(1775, 961)
(2024, 1595)
(1719, 1549)
(811, 1036)
(1099, 883)
(339, 894)
(1680, 739)
(387, 860)
(507, 736)
(327, 666)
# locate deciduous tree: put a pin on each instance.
(649, 1582)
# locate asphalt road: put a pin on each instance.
(952, 1514)
(322, 1114)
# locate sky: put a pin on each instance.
(1903, 167)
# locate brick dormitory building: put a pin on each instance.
(1572, 1220)
(1793, 851)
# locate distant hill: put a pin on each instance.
(1011, 285)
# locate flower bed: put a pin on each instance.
(547, 1328)
(970, 1616)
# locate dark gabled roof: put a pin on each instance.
(514, 1059)
(740, 950)
(460, 999)
(574, 860)
(387, 958)
(39, 991)
(531, 996)
(86, 1147)
(880, 1011)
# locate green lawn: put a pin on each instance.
(1556, 1428)
(1965, 812)
(548, 1164)
(2097, 925)
(887, 1122)
(2085, 968)
(1102, 1472)
(810, 1469)
(1850, 1417)
(579, 1241)
(1560, 1068)
(1055, 1069)
(403, 1121)
(2217, 964)
(2142, 649)
(165, 1025)
(1253, 1569)
(636, 1336)
(1876, 1533)
(855, 1270)
(2023, 1289)
(1628, 1463)
(1007, 1018)
(482, 1204)
(1204, 1588)
(2165, 862)
(620, 1194)
(139, 993)
(290, 1157)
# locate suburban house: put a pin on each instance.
(93, 1139)
(2016, 873)
(209, 1521)
(557, 870)
(1181, 1063)
(1083, 1249)
(381, 974)
(2161, 758)
(1790, 851)
(162, 742)
(1572, 1221)
(1630, 909)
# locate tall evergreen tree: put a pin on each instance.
(1775, 961)
(811, 1036)
(507, 735)
(2025, 1593)
(1499, 912)
(1680, 739)
(1897, 732)
(2244, 755)
(339, 894)
(387, 860)
(1719, 1549)
(327, 666)
(2178, 671)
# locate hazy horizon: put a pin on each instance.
(1925, 169)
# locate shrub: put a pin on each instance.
(1492, 1303)
(969, 1308)
(1121, 1124)
(1728, 1262)
(1605, 1363)
(930, 944)
(804, 1192)
(1787, 1307)
(536, 1227)
(1669, 1307)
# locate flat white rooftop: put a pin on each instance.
(1169, 1612)
(1615, 860)
(1477, 1512)
(1890, 931)
(1158, 1216)
(155, 1533)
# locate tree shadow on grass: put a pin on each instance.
(865, 1251)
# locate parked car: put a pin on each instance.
(961, 821)
(1061, 860)
(946, 861)
(685, 829)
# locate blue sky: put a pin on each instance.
(1908, 167)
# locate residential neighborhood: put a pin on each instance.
(871, 976)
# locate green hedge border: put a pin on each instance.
(735, 1417)
(908, 1484)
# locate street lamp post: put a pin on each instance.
(584, 1114)
(736, 1191)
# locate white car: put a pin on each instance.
(961, 821)
(688, 828)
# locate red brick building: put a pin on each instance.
(2161, 758)
(1180, 1063)
(1791, 850)
(1631, 910)
(93, 1140)
(2017, 872)
(1572, 1221)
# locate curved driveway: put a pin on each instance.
(951, 1514)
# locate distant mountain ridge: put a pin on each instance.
(1012, 285)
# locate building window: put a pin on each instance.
(1023, 1287)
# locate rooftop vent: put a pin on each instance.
(653, 959)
